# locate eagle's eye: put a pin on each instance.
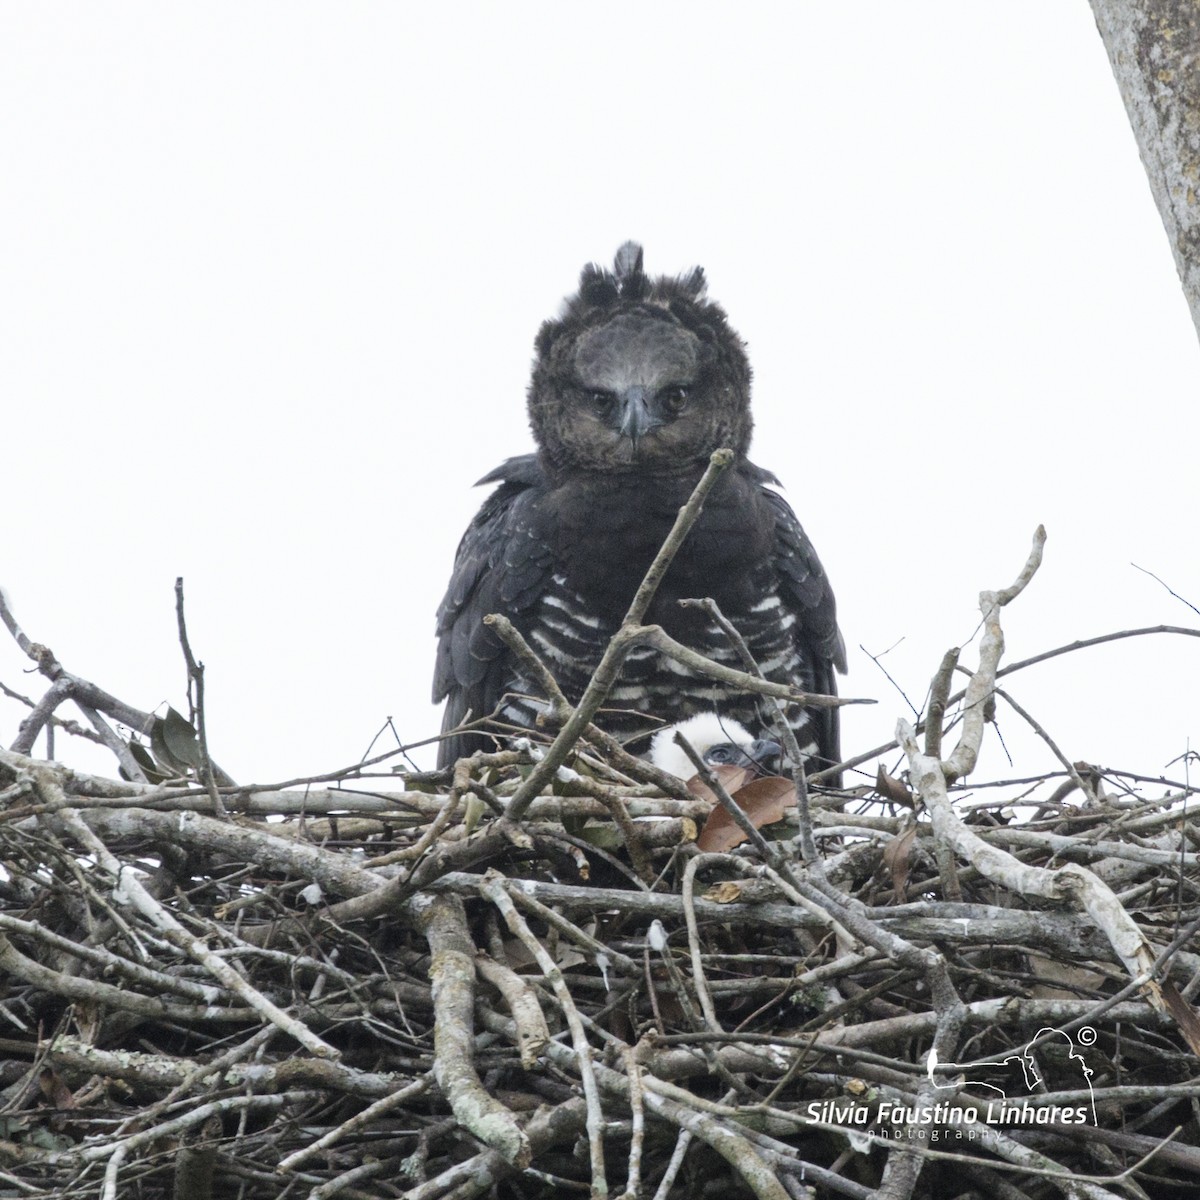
(601, 401)
(675, 398)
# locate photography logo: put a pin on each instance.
(1009, 1110)
(991, 1098)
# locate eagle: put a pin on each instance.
(634, 385)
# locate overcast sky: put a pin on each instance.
(272, 272)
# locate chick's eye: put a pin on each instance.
(600, 401)
(674, 398)
(720, 754)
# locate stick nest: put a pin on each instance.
(383, 985)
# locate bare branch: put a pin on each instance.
(452, 971)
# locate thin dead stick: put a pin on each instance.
(599, 952)
(621, 644)
(1068, 765)
(96, 991)
(786, 734)
(195, 672)
(693, 935)
(443, 921)
(1070, 882)
(682, 1142)
(532, 1031)
(130, 888)
(637, 1108)
(491, 887)
(73, 686)
(991, 647)
(655, 637)
(692, 1113)
(360, 1120)
(1163, 582)
(54, 722)
(1082, 644)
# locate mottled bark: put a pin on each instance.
(1154, 48)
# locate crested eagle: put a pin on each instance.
(636, 382)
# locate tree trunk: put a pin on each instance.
(1154, 48)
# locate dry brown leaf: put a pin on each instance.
(764, 801)
(730, 778)
(897, 857)
(892, 790)
(55, 1090)
(1184, 1014)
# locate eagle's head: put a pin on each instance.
(638, 374)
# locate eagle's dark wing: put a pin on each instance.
(502, 565)
(805, 591)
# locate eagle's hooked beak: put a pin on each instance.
(634, 416)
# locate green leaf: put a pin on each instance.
(144, 759)
(165, 761)
(181, 739)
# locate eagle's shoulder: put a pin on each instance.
(502, 565)
(522, 470)
(801, 576)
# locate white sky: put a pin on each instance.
(272, 272)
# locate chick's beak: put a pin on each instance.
(766, 755)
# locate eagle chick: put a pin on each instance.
(634, 385)
(719, 741)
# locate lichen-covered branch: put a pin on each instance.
(452, 972)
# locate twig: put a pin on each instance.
(637, 1107)
(603, 955)
(655, 637)
(63, 723)
(677, 1156)
(693, 933)
(1167, 586)
(196, 681)
(1076, 778)
(939, 691)
(69, 687)
(452, 971)
(875, 658)
(1012, 668)
(962, 761)
(532, 1031)
(128, 886)
(786, 734)
(360, 1120)
(620, 645)
(491, 887)
(1068, 882)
